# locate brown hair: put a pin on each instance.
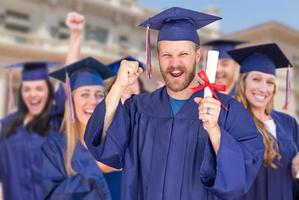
(271, 147)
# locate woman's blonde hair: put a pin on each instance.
(71, 131)
(271, 153)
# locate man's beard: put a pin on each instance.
(178, 85)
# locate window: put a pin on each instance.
(63, 32)
(96, 34)
(123, 41)
(16, 21)
(60, 31)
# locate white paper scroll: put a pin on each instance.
(211, 70)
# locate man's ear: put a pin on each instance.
(198, 54)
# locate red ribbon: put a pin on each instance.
(202, 75)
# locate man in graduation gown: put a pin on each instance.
(173, 143)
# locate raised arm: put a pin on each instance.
(75, 22)
(127, 74)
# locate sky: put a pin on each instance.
(239, 14)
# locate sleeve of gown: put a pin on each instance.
(111, 150)
(57, 184)
(239, 158)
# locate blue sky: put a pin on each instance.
(239, 14)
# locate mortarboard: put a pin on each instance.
(223, 46)
(264, 58)
(34, 70)
(88, 71)
(116, 64)
(175, 24)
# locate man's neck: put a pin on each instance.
(184, 94)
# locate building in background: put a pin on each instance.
(35, 30)
(288, 40)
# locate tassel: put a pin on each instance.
(287, 90)
(11, 99)
(68, 93)
(148, 52)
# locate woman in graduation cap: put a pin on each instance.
(256, 89)
(69, 170)
(23, 132)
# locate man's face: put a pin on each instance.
(178, 61)
(226, 71)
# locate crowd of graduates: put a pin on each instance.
(87, 140)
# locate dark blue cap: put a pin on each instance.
(223, 46)
(264, 58)
(35, 70)
(116, 64)
(179, 24)
(88, 71)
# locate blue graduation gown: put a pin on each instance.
(88, 183)
(170, 157)
(233, 91)
(21, 161)
(114, 182)
(20, 166)
(276, 184)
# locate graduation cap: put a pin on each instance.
(34, 70)
(88, 71)
(264, 58)
(31, 71)
(116, 64)
(223, 46)
(175, 24)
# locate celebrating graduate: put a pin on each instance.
(23, 132)
(227, 68)
(173, 143)
(256, 89)
(69, 170)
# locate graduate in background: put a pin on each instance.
(173, 143)
(23, 132)
(256, 90)
(135, 88)
(69, 170)
(227, 68)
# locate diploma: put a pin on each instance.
(211, 70)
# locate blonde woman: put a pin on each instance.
(70, 171)
(255, 90)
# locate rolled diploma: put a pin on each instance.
(211, 70)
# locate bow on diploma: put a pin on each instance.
(202, 75)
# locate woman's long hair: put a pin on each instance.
(72, 138)
(40, 124)
(271, 153)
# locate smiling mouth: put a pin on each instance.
(260, 97)
(88, 112)
(35, 103)
(176, 73)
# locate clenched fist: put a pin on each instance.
(75, 22)
(128, 73)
